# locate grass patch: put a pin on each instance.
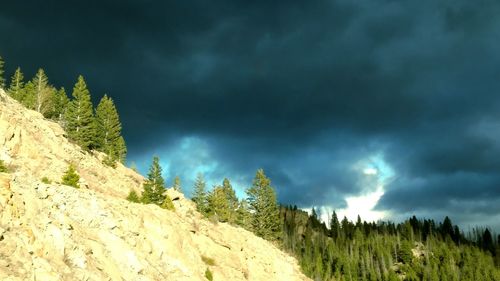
(46, 180)
(208, 261)
(209, 275)
(3, 168)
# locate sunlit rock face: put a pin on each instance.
(55, 232)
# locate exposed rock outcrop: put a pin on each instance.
(55, 232)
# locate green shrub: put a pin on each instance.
(70, 177)
(167, 203)
(208, 261)
(110, 161)
(46, 180)
(405, 254)
(3, 168)
(208, 274)
(133, 197)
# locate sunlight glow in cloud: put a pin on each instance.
(374, 173)
(363, 206)
(370, 171)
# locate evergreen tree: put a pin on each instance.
(2, 72)
(222, 202)
(380, 251)
(70, 177)
(110, 160)
(17, 85)
(43, 93)
(232, 200)
(154, 186)
(121, 150)
(60, 102)
(404, 254)
(28, 96)
(167, 203)
(334, 226)
(263, 204)
(217, 205)
(243, 215)
(109, 139)
(488, 242)
(80, 123)
(447, 228)
(133, 197)
(177, 184)
(199, 195)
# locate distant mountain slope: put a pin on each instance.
(55, 232)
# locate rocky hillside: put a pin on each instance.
(54, 232)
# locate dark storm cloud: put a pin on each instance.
(303, 89)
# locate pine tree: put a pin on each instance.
(110, 160)
(199, 194)
(405, 254)
(70, 177)
(28, 96)
(230, 197)
(218, 205)
(121, 149)
(17, 85)
(243, 216)
(263, 204)
(60, 103)
(109, 139)
(447, 229)
(488, 242)
(177, 184)
(154, 186)
(43, 94)
(334, 226)
(222, 202)
(80, 123)
(133, 197)
(2, 78)
(167, 203)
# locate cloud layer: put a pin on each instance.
(305, 90)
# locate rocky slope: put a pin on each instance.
(54, 232)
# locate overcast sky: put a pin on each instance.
(383, 108)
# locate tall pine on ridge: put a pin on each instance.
(61, 101)
(232, 200)
(43, 93)
(217, 204)
(222, 202)
(17, 85)
(121, 149)
(27, 95)
(154, 186)
(177, 184)
(109, 139)
(243, 215)
(262, 200)
(200, 195)
(76, 116)
(80, 118)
